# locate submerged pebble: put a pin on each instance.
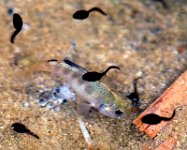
(10, 11)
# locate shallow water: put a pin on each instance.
(142, 37)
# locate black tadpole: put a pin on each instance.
(95, 76)
(17, 21)
(98, 10)
(21, 128)
(153, 119)
(18, 24)
(83, 14)
(134, 96)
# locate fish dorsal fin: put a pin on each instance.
(74, 65)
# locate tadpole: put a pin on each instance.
(83, 14)
(18, 24)
(95, 76)
(21, 128)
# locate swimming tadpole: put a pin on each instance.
(134, 96)
(95, 76)
(21, 128)
(83, 14)
(153, 119)
(18, 24)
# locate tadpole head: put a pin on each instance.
(18, 127)
(81, 14)
(151, 119)
(92, 76)
(17, 21)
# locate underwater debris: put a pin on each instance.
(18, 24)
(21, 128)
(10, 11)
(83, 128)
(181, 48)
(95, 76)
(56, 97)
(153, 119)
(83, 14)
(172, 98)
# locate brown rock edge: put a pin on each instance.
(168, 144)
(173, 97)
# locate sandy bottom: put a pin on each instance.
(142, 37)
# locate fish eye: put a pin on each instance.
(118, 112)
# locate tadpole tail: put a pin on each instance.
(97, 9)
(14, 36)
(111, 67)
(33, 134)
(135, 84)
(168, 119)
(164, 4)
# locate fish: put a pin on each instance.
(21, 128)
(153, 119)
(83, 14)
(134, 96)
(18, 24)
(93, 94)
(95, 76)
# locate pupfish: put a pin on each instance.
(93, 94)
